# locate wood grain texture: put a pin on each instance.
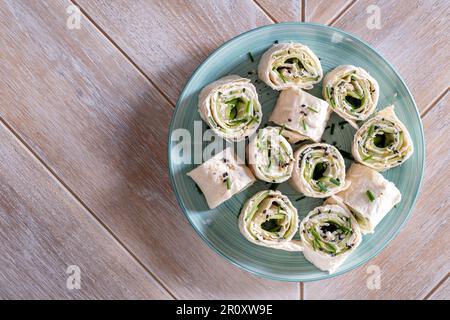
(102, 129)
(324, 11)
(443, 292)
(282, 10)
(169, 39)
(43, 230)
(414, 263)
(412, 37)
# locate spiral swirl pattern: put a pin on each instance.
(290, 65)
(231, 107)
(319, 170)
(270, 155)
(269, 219)
(329, 234)
(383, 142)
(351, 92)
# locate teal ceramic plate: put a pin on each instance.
(219, 227)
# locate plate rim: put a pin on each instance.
(211, 245)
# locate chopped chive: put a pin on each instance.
(251, 57)
(332, 129)
(370, 195)
(322, 187)
(335, 181)
(367, 158)
(228, 182)
(313, 110)
(343, 123)
(370, 131)
(304, 124)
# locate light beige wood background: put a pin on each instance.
(83, 175)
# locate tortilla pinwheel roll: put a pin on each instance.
(289, 65)
(351, 92)
(270, 155)
(302, 115)
(383, 142)
(329, 235)
(370, 196)
(231, 107)
(221, 177)
(269, 219)
(319, 170)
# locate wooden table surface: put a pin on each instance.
(84, 115)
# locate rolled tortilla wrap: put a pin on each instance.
(319, 170)
(230, 106)
(351, 92)
(270, 155)
(269, 219)
(289, 65)
(221, 177)
(302, 115)
(370, 196)
(383, 142)
(329, 235)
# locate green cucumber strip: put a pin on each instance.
(247, 106)
(280, 75)
(212, 122)
(322, 187)
(231, 112)
(330, 98)
(335, 181)
(354, 95)
(255, 207)
(277, 216)
(331, 247)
